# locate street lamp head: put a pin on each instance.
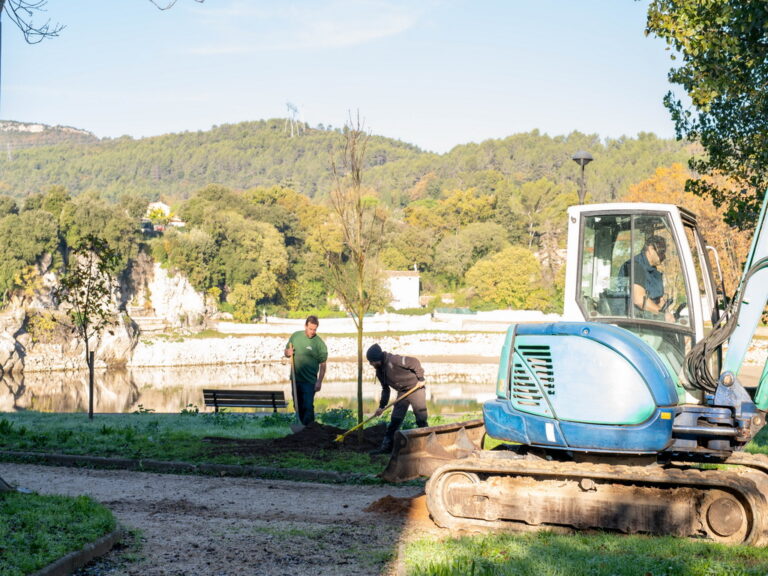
(582, 158)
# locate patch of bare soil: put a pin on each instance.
(414, 508)
(225, 526)
(311, 440)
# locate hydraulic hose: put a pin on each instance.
(696, 361)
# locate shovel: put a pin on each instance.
(296, 426)
(340, 437)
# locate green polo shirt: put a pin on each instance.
(309, 354)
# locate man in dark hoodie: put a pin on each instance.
(400, 373)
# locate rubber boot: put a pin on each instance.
(389, 437)
(385, 448)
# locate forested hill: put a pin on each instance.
(249, 154)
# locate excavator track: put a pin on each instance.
(508, 491)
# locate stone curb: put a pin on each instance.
(75, 560)
(172, 467)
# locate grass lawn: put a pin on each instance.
(36, 530)
(179, 437)
(175, 437)
(548, 554)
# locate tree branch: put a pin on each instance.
(21, 13)
(169, 4)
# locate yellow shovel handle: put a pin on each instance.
(341, 437)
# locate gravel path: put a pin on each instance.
(199, 525)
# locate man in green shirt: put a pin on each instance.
(310, 355)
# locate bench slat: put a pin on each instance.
(245, 399)
(256, 394)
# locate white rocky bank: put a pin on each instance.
(267, 348)
(254, 349)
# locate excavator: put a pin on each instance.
(621, 417)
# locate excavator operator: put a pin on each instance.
(648, 281)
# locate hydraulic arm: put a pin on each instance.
(738, 324)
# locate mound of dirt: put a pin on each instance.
(312, 439)
(415, 509)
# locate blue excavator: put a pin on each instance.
(622, 416)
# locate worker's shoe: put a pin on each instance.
(385, 448)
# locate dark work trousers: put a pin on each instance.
(305, 401)
(418, 403)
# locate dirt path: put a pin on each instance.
(198, 525)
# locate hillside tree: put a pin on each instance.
(509, 279)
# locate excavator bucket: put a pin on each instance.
(418, 452)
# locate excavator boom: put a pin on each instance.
(753, 298)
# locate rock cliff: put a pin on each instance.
(35, 334)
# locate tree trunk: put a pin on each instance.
(90, 363)
(360, 372)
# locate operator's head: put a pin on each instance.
(310, 326)
(658, 246)
(375, 355)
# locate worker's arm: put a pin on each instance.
(320, 376)
(384, 400)
(642, 302)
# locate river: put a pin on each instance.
(451, 387)
(454, 386)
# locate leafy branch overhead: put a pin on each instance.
(724, 51)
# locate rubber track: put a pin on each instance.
(749, 484)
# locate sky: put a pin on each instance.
(433, 73)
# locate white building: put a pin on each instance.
(404, 287)
(162, 206)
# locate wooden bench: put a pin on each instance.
(245, 399)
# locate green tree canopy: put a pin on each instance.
(8, 206)
(724, 50)
(26, 237)
(509, 279)
(456, 253)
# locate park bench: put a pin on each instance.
(245, 399)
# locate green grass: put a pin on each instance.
(176, 437)
(548, 554)
(36, 530)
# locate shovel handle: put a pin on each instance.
(341, 437)
(294, 392)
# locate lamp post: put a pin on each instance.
(582, 158)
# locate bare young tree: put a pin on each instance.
(353, 269)
(87, 288)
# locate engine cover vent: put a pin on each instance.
(536, 361)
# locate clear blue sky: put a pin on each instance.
(435, 73)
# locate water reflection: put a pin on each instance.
(451, 387)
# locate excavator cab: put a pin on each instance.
(667, 302)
